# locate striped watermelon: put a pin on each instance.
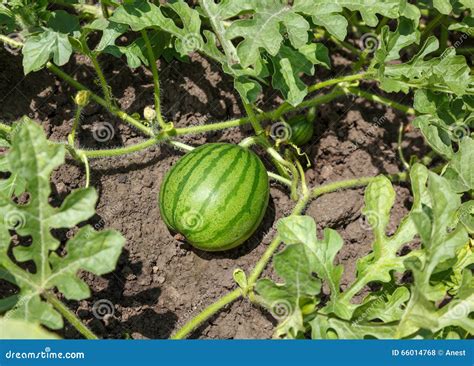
(215, 195)
(301, 130)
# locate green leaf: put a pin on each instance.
(19, 329)
(448, 72)
(381, 306)
(443, 6)
(143, 14)
(297, 230)
(263, 30)
(289, 64)
(423, 314)
(39, 49)
(33, 159)
(460, 171)
(325, 12)
(296, 265)
(393, 42)
(110, 34)
(63, 22)
(466, 26)
(440, 232)
(435, 133)
(323, 328)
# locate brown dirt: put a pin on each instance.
(159, 282)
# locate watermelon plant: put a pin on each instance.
(216, 195)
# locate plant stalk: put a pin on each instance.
(381, 100)
(69, 315)
(156, 79)
(207, 313)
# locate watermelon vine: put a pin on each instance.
(217, 194)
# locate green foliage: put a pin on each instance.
(397, 309)
(20, 329)
(32, 159)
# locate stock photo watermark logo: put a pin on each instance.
(191, 220)
(14, 220)
(12, 48)
(369, 42)
(103, 132)
(460, 131)
(281, 131)
(459, 310)
(191, 42)
(103, 308)
(18, 307)
(281, 309)
(47, 354)
(369, 220)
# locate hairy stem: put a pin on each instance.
(69, 315)
(102, 81)
(253, 119)
(381, 100)
(207, 313)
(156, 79)
(400, 148)
(75, 125)
(342, 79)
(280, 179)
(93, 154)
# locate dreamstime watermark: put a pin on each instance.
(369, 42)
(45, 354)
(103, 308)
(369, 220)
(103, 132)
(14, 220)
(366, 314)
(22, 300)
(12, 47)
(113, 210)
(281, 309)
(458, 310)
(191, 42)
(191, 220)
(281, 131)
(464, 36)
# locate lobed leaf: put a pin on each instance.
(32, 158)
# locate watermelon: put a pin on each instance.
(215, 196)
(301, 130)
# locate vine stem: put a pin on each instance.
(100, 74)
(381, 100)
(69, 315)
(342, 79)
(75, 125)
(93, 154)
(207, 313)
(253, 118)
(400, 148)
(195, 322)
(280, 179)
(156, 79)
